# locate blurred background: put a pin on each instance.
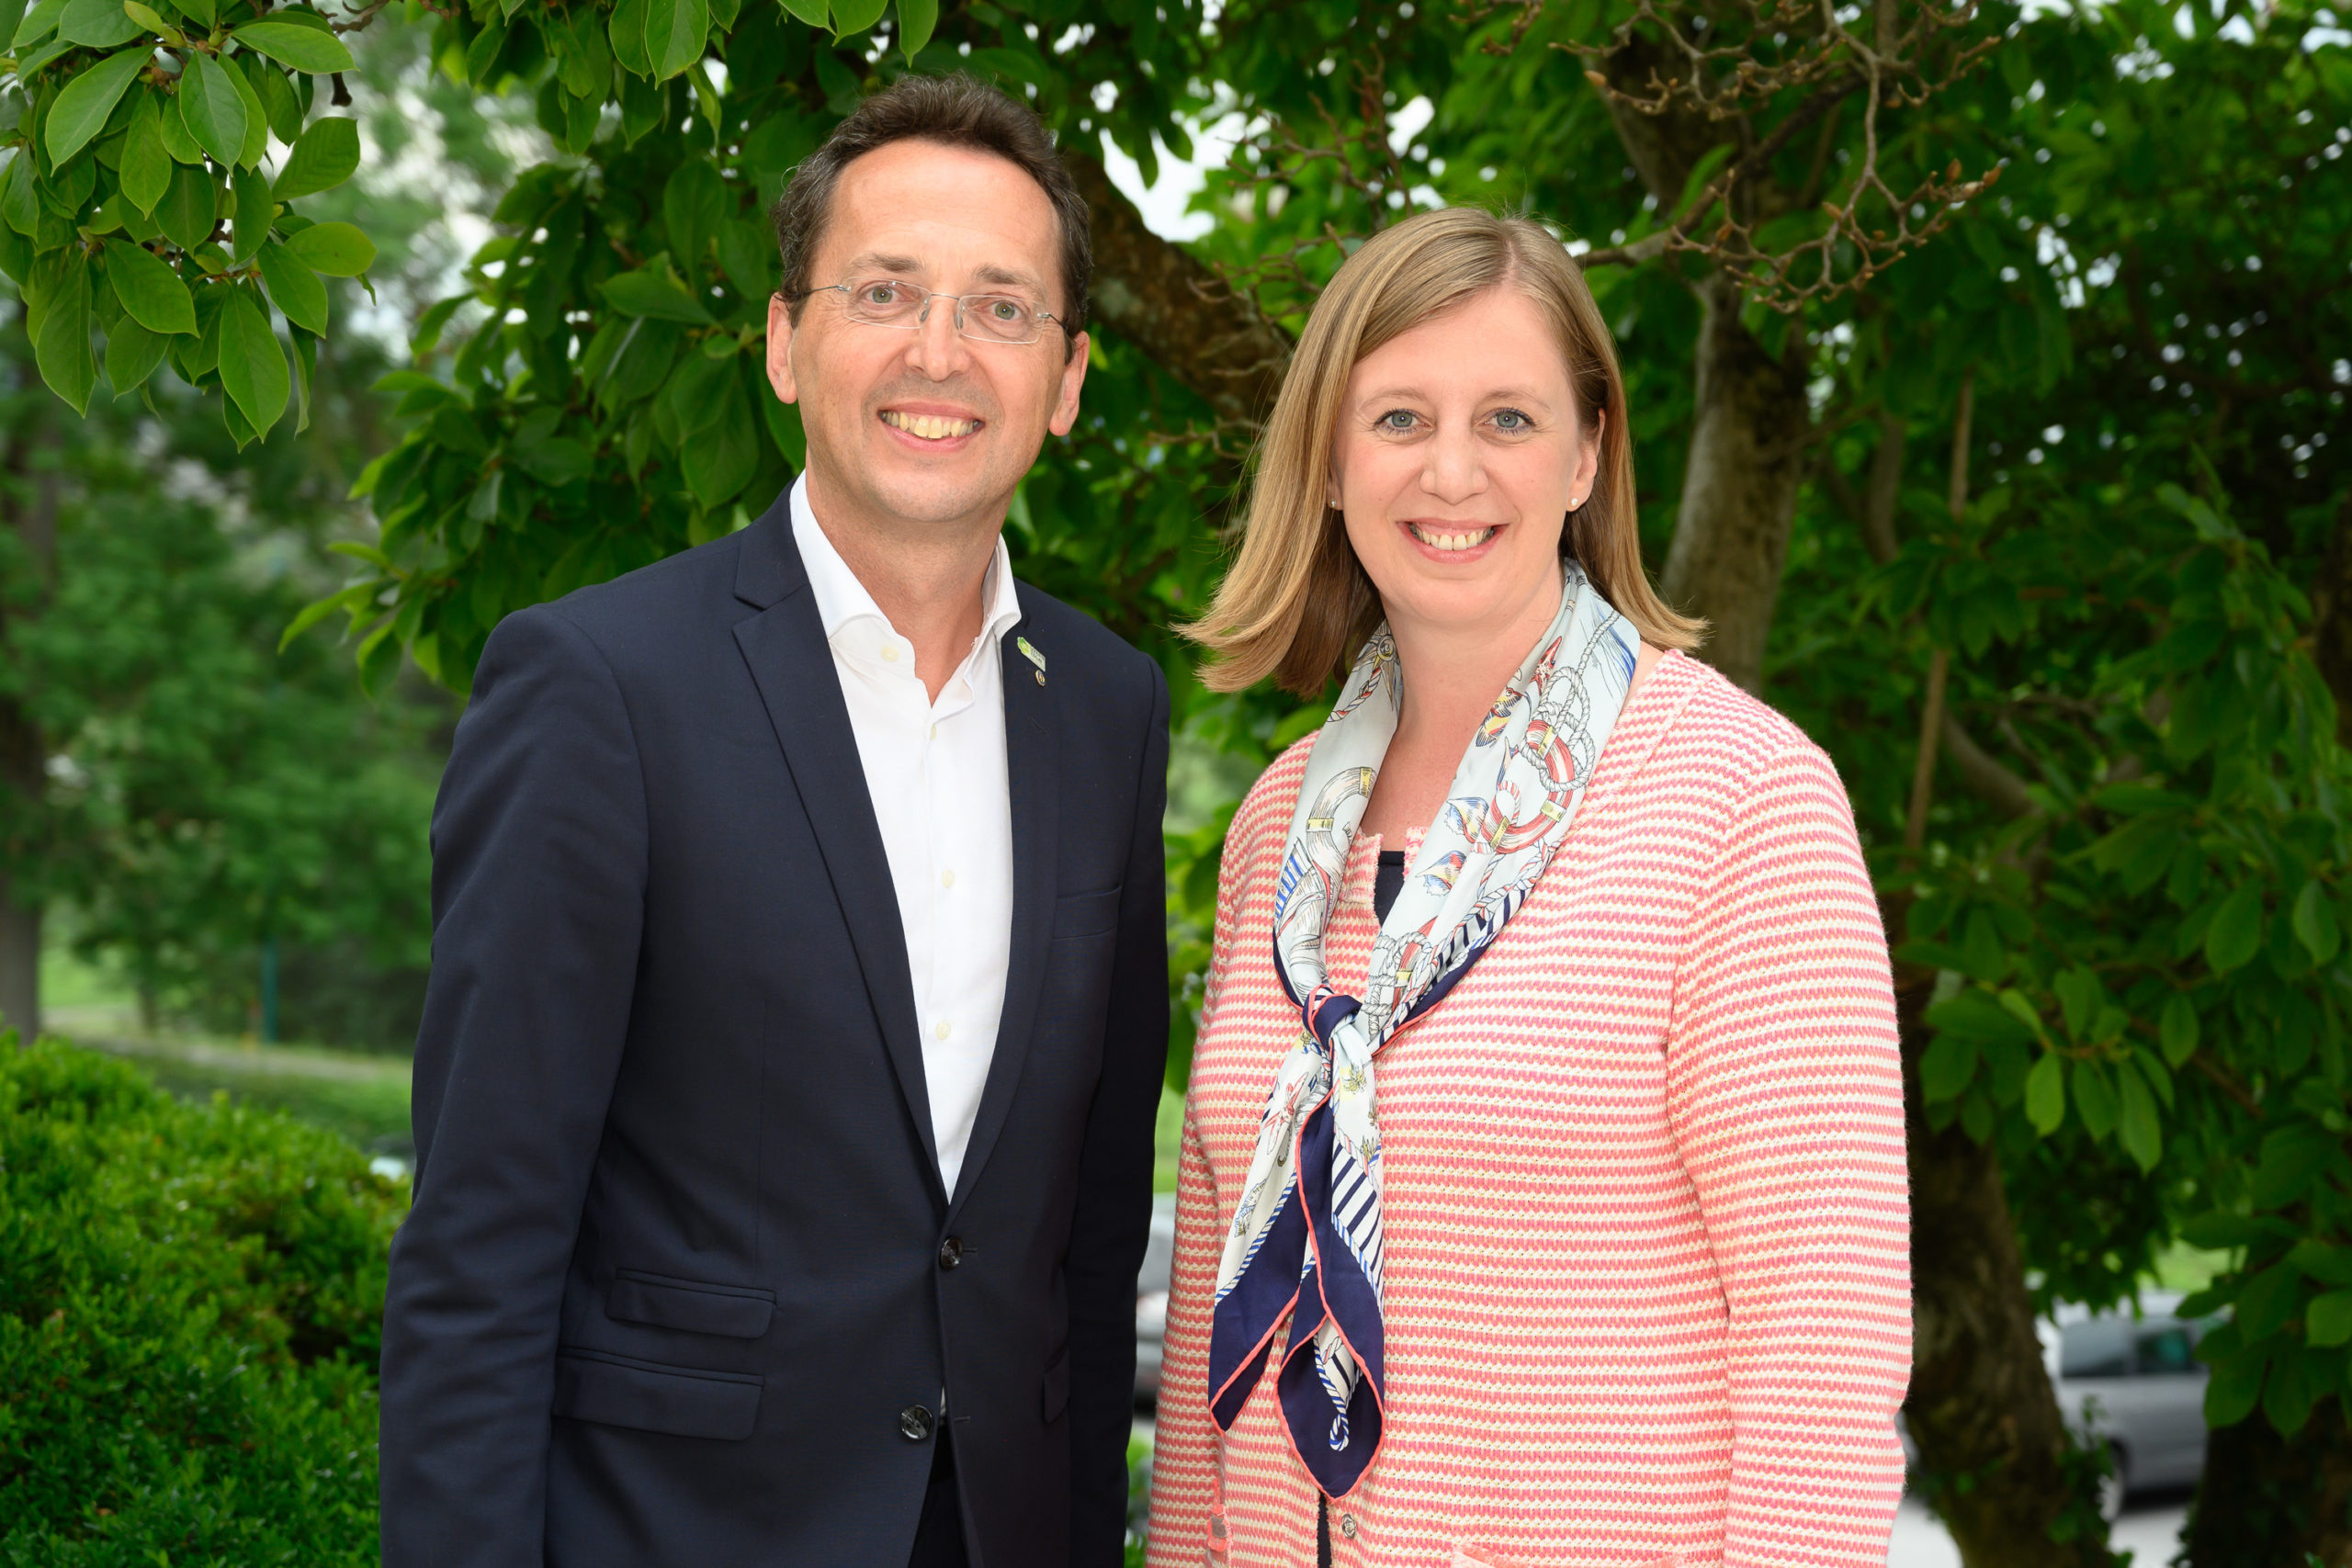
(1987, 368)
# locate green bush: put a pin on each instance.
(190, 1305)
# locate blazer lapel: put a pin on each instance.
(790, 661)
(1032, 749)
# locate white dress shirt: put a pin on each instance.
(935, 773)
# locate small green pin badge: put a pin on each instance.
(1033, 656)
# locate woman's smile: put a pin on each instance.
(1453, 543)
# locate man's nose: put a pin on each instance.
(939, 349)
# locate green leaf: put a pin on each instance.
(694, 204)
(151, 293)
(855, 15)
(12, 16)
(2141, 1134)
(2177, 1030)
(2094, 1097)
(83, 107)
(674, 34)
(151, 20)
(2220, 1232)
(784, 430)
(627, 34)
(2315, 922)
(241, 70)
(813, 12)
(721, 459)
(2328, 1320)
(338, 250)
(298, 48)
(281, 100)
(2292, 1160)
(2236, 1387)
(649, 293)
(917, 19)
(146, 171)
(2046, 1094)
(212, 110)
(2287, 1399)
(1946, 1067)
(1976, 1013)
(2017, 1007)
(322, 160)
(133, 354)
(63, 349)
(36, 24)
(294, 288)
(556, 461)
(255, 214)
(2319, 1260)
(2267, 1300)
(252, 365)
(189, 209)
(2236, 933)
(96, 24)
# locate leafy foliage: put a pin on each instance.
(190, 1301)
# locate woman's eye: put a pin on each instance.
(1513, 420)
(1398, 420)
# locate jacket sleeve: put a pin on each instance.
(1784, 1092)
(1112, 1220)
(538, 875)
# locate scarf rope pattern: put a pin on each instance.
(1306, 1240)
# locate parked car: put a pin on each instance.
(2136, 1382)
(1151, 1297)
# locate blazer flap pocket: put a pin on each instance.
(733, 1311)
(1086, 914)
(1057, 1390)
(680, 1401)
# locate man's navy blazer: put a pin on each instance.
(682, 1284)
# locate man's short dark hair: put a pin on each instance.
(954, 111)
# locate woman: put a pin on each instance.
(1543, 1195)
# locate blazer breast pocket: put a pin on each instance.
(1086, 914)
(735, 1311)
(680, 1401)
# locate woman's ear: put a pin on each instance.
(1587, 470)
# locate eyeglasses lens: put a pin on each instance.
(991, 318)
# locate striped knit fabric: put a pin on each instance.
(1647, 1283)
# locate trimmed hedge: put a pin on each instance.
(190, 1306)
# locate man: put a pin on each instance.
(785, 1089)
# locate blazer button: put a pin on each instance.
(951, 1252)
(915, 1423)
(1348, 1525)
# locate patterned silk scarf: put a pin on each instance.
(1307, 1234)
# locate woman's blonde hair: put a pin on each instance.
(1296, 603)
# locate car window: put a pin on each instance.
(2099, 1348)
(2165, 1352)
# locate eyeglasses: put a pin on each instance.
(985, 318)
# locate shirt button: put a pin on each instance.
(889, 653)
(939, 1030)
(915, 1423)
(1348, 1525)
(947, 879)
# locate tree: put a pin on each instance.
(1825, 321)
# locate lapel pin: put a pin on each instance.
(1033, 656)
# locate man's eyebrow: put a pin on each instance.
(1008, 277)
(873, 262)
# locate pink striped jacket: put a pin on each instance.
(1647, 1293)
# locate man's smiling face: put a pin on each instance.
(927, 426)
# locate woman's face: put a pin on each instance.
(1458, 455)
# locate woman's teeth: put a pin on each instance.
(1437, 541)
(929, 426)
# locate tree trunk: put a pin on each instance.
(1739, 486)
(2266, 1500)
(31, 500)
(1992, 1447)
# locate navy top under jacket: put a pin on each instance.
(681, 1285)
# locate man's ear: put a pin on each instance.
(780, 350)
(1073, 377)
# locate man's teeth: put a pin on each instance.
(929, 426)
(1437, 541)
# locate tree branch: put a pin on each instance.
(1170, 305)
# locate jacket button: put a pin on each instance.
(951, 1252)
(1348, 1525)
(915, 1423)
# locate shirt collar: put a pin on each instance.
(842, 598)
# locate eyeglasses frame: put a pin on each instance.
(922, 317)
